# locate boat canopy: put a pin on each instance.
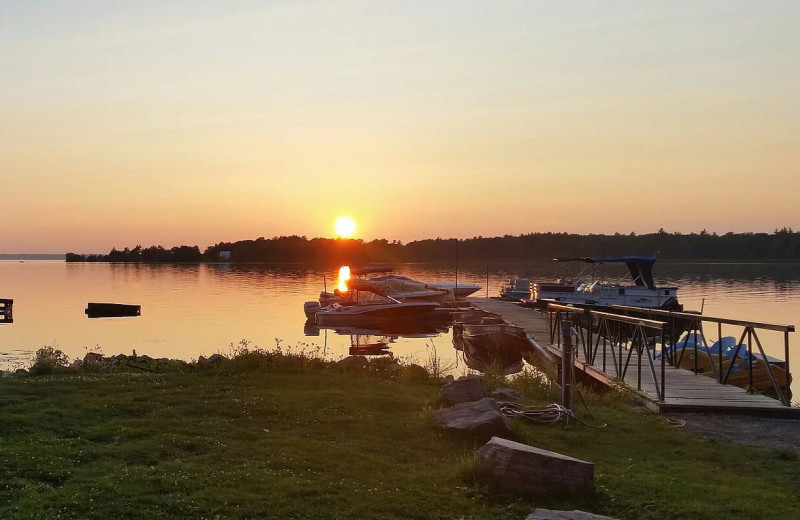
(640, 267)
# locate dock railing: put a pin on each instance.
(690, 326)
(619, 335)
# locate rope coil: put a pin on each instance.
(550, 414)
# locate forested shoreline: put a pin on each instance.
(781, 245)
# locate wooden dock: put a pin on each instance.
(684, 390)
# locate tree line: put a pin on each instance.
(783, 245)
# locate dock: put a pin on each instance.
(683, 390)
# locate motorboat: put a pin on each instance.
(635, 289)
(460, 290)
(365, 303)
(493, 342)
(401, 288)
(516, 289)
(337, 314)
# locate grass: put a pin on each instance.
(292, 437)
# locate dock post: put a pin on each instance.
(566, 364)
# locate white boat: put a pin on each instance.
(636, 289)
(365, 304)
(401, 288)
(516, 289)
(460, 290)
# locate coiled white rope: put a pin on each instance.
(551, 413)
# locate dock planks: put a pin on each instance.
(684, 390)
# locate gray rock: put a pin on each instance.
(416, 372)
(6, 373)
(480, 420)
(210, 360)
(92, 358)
(353, 363)
(532, 471)
(506, 394)
(548, 514)
(464, 390)
(144, 358)
(120, 357)
(21, 372)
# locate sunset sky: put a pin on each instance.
(173, 122)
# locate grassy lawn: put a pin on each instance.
(296, 439)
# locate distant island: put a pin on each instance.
(31, 256)
(781, 245)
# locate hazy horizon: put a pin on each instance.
(178, 122)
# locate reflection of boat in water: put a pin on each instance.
(639, 291)
(376, 340)
(397, 329)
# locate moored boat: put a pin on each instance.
(401, 288)
(516, 289)
(636, 289)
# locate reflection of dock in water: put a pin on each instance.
(683, 390)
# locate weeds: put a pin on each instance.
(434, 364)
(48, 360)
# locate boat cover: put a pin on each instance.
(640, 267)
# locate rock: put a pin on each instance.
(92, 358)
(76, 363)
(144, 358)
(6, 373)
(506, 394)
(215, 358)
(21, 372)
(449, 379)
(201, 360)
(163, 360)
(120, 358)
(480, 420)
(548, 514)
(532, 471)
(353, 363)
(464, 390)
(415, 372)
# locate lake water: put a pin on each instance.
(193, 310)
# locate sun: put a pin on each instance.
(345, 227)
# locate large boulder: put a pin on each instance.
(415, 372)
(353, 363)
(527, 470)
(480, 420)
(464, 390)
(506, 394)
(549, 514)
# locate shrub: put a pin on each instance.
(48, 360)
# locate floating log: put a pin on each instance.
(112, 310)
(6, 310)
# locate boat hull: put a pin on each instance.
(355, 314)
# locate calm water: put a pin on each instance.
(192, 310)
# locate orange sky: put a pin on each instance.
(191, 123)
